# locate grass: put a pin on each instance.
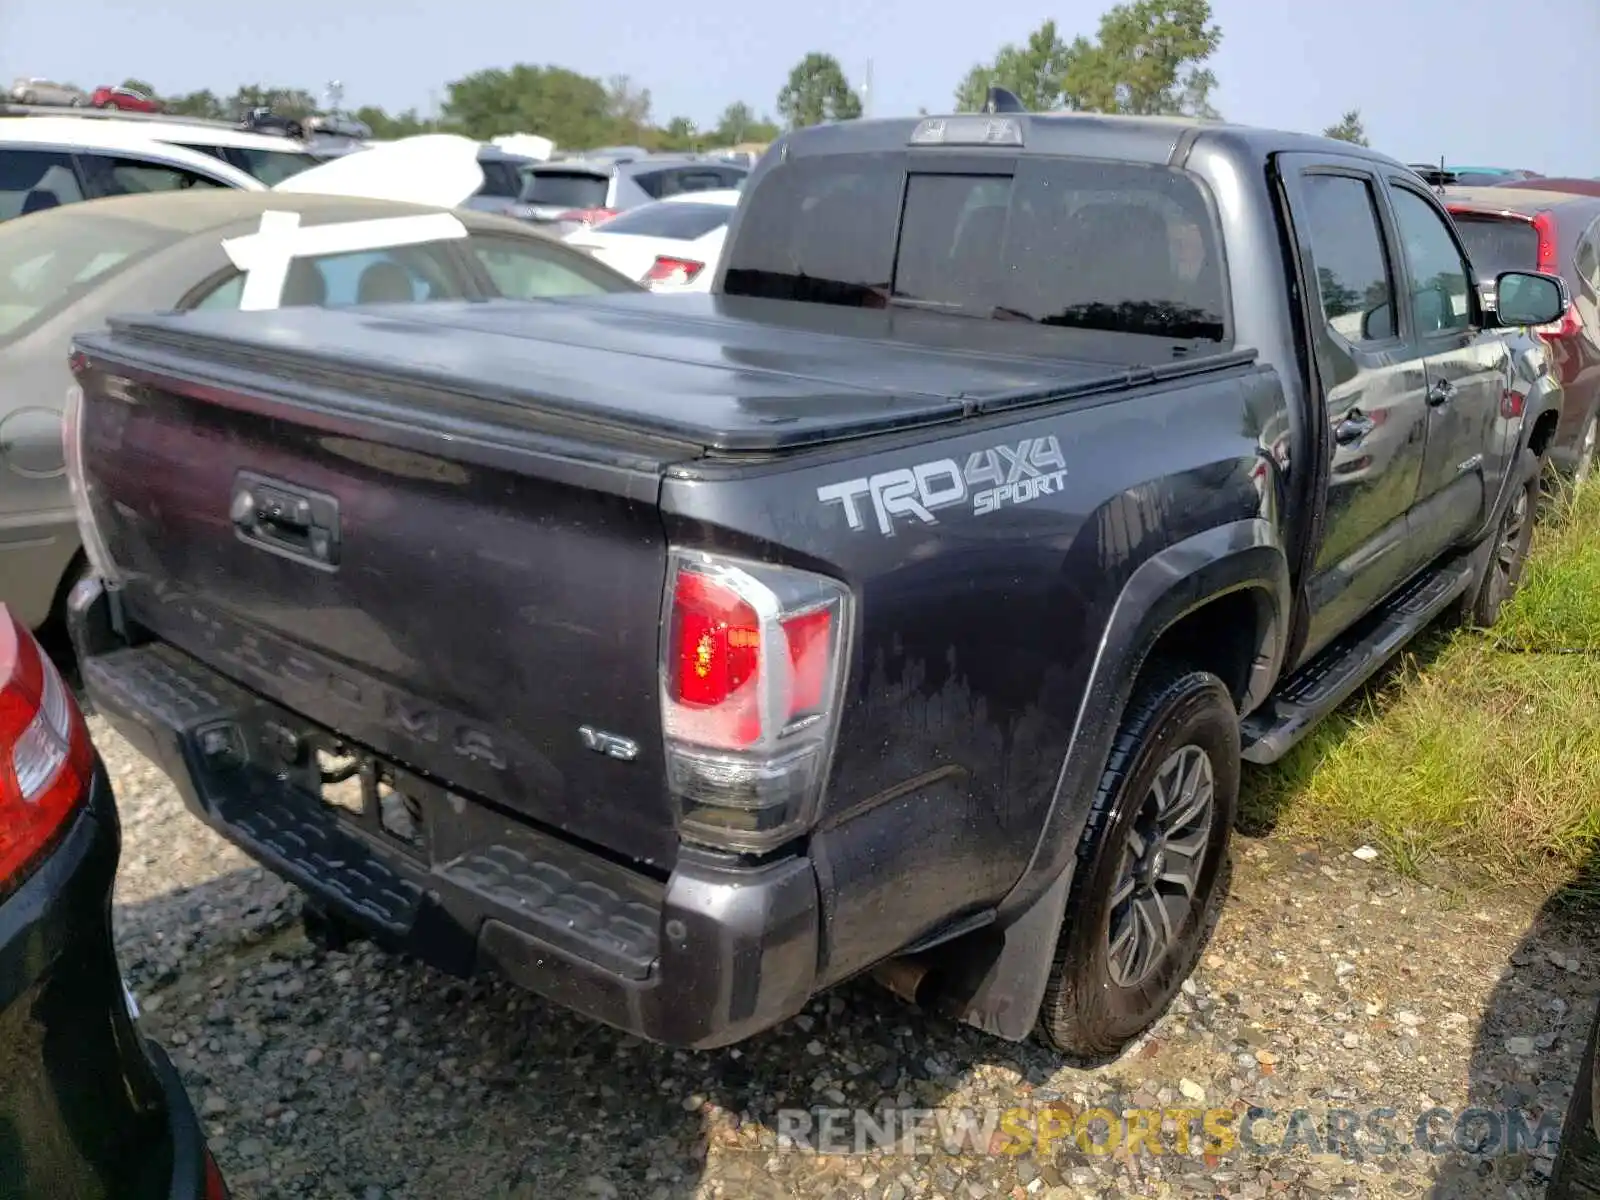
(1480, 750)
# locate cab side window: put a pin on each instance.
(1353, 277)
(1440, 299)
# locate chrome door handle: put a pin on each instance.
(1441, 393)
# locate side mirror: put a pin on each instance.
(1530, 298)
(1377, 323)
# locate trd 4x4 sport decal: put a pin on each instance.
(990, 480)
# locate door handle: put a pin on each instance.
(1441, 392)
(1353, 428)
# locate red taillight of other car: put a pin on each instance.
(672, 272)
(588, 216)
(1570, 325)
(46, 759)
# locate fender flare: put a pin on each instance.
(1001, 989)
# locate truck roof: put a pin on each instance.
(1143, 139)
(718, 373)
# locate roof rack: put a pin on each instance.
(108, 114)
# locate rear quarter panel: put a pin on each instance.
(977, 630)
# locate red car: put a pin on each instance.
(125, 99)
(1526, 229)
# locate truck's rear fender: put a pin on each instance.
(979, 626)
(996, 978)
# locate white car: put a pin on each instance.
(47, 92)
(670, 245)
(49, 161)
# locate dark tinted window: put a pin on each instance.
(500, 179)
(1440, 300)
(1066, 242)
(684, 220)
(31, 180)
(566, 189)
(1340, 224)
(677, 180)
(1496, 244)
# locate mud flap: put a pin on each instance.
(1000, 974)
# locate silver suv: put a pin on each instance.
(573, 194)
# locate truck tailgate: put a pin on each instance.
(464, 606)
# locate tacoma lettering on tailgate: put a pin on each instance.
(990, 480)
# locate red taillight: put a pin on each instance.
(752, 662)
(588, 216)
(1545, 226)
(1512, 403)
(216, 1186)
(1570, 326)
(46, 759)
(672, 271)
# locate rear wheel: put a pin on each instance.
(1149, 865)
(29, 98)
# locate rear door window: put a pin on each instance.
(1340, 225)
(566, 189)
(116, 175)
(499, 179)
(681, 221)
(1071, 243)
(1496, 244)
(32, 180)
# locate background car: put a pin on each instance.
(47, 162)
(264, 120)
(65, 271)
(43, 91)
(126, 99)
(502, 179)
(1522, 229)
(88, 1108)
(669, 245)
(576, 193)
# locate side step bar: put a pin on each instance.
(1328, 680)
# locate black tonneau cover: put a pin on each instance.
(716, 373)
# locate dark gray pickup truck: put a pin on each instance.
(906, 605)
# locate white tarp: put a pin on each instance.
(437, 169)
(528, 145)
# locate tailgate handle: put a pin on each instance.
(286, 519)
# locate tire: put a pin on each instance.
(75, 102)
(103, 104)
(1179, 725)
(1577, 1170)
(29, 98)
(1512, 536)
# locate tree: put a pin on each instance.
(568, 108)
(1032, 71)
(1148, 59)
(139, 85)
(387, 128)
(739, 123)
(1348, 129)
(203, 103)
(629, 109)
(285, 102)
(816, 92)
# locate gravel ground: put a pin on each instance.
(1328, 984)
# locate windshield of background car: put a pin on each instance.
(48, 264)
(1073, 243)
(679, 221)
(1496, 244)
(566, 189)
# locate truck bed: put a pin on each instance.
(703, 374)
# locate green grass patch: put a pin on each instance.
(1479, 750)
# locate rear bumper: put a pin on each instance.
(715, 953)
(95, 1109)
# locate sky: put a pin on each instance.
(1458, 78)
